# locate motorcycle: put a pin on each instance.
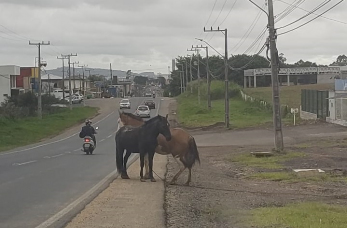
(88, 144)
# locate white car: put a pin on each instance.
(79, 96)
(124, 103)
(143, 111)
(74, 99)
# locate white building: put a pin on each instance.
(8, 76)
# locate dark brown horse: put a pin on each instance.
(182, 145)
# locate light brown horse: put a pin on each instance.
(182, 145)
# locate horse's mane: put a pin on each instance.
(133, 116)
(153, 119)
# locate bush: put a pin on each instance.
(25, 105)
(217, 89)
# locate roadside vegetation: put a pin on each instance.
(20, 126)
(242, 114)
(300, 215)
(289, 95)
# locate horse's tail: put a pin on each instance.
(119, 157)
(193, 154)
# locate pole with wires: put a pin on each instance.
(69, 62)
(275, 85)
(39, 100)
(227, 124)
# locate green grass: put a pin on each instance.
(293, 177)
(273, 162)
(242, 114)
(15, 133)
(289, 95)
(300, 215)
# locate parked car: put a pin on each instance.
(150, 104)
(143, 111)
(124, 103)
(79, 96)
(74, 99)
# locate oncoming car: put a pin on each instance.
(143, 111)
(124, 103)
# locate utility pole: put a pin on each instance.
(69, 62)
(275, 87)
(83, 86)
(186, 79)
(226, 73)
(73, 74)
(39, 100)
(198, 64)
(181, 77)
(208, 77)
(191, 73)
(63, 60)
(111, 74)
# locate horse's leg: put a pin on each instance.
(181, 167)
(150, 161)
(146, 167)
(124, 172)
(189, 176)
(142, 163)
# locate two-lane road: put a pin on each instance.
(37, 182)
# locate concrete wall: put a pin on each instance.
(307, 115)
(332, 105)
(8, 75)
(5, 88)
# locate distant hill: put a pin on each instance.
(96, 71)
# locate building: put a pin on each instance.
(8, 86)
(292, 76)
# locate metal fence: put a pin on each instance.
(341, 108)
(315, 101)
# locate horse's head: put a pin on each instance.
(164, 126)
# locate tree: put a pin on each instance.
(141, 80)
(341, 60)
(302, 63)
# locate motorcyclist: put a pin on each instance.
(88, 130)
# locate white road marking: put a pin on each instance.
(109, 136)
(45, 144)
(68, 152)
(102, 140)
(24, 163)
(46, 157)
(77, 149)
(58, 155)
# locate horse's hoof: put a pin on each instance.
(153, 180)
(143, 180)
(146, 177)
(125, 176)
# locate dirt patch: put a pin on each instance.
(221, 195)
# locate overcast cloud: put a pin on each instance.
(144, 35)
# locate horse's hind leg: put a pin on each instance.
(150, 161)
(124, 174)
(174, 179)
(189, 176)
(142, 163)
(146, 167)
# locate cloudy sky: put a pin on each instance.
(144, 35)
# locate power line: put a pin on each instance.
(311, 19)
(331, 19)
(306, 15)
(232, 7)
(219, 13)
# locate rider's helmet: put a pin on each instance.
(88, 122)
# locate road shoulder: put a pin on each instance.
(129, 203)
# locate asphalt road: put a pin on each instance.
(38, 181)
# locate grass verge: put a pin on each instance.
(293, 177)
(289, 95)
(300, 215)
(16, 133)
(273, 162)
(242, 114)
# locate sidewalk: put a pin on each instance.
(128, 203)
